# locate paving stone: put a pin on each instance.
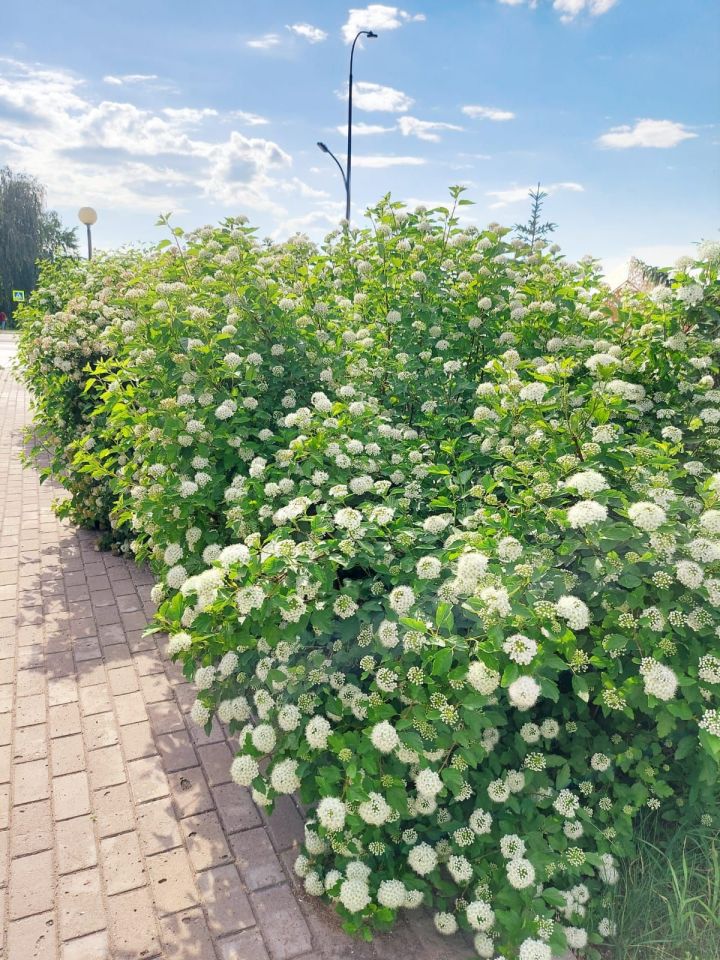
(67, 755)
(62, 690)
(87, 648)
(7, 670)
(176, 750)
(147, 779)
(106, 615)
(60, 665)
(434, 944)
(129, 604)
(90, 672)
(227, 907)
(205, 841)
(98, 583)
(185, 936)
(32, 939)
(113, 810)
(95, 699)
(256, 859)
(285, 825)
(4, 861)
(30, 710)
(190, 792)
(5, 755)
(6, 728)
(402, 941)
(185, 694)
(158, 827)
(283, 926)
(156, 688)
(106, 767)
(137, 740)
(75, 844)
(111, 633)
(32, 828)
(235, 806)
(172, 881)
(96, 946)
(31, 782)
(103, 598)
(71, 797)
(80, 904)
(139, 642)
(6, 697)
(123, 680)
(64, 719)
(117, 655)
(247, 945)
(100, 730)
(216, 759)
(147, 662)
(133, 931)
(122, 863)
(199, 736)
(30, 685)
(165, 717)
(31, 885)
(130, 708)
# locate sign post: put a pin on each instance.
(18, 296)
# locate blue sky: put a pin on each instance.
(214, 108)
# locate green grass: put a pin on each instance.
(668, 898)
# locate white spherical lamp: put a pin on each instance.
(87, 215)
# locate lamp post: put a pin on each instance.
(88, 216)
(347, 172)
(328, 151)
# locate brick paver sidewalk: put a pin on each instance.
(121, 835)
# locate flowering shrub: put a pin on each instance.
(438, 537)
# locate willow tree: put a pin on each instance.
(28, 233)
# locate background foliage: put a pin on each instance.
(28, 234)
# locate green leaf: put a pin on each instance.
(442, 661)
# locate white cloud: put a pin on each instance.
(374, 96)
(569, 9)
(364, 129)
(316, 223)
(487, 113)
(516, 194)
(646, 133)
(424, 129)
(266, 42)
(377, 16)
(379, 162)
(308, 32)
(115, 154)
(129, 78)
(249, 119)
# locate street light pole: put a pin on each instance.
(328, 151)
(347, 172)
(88, 216)
(348, 164)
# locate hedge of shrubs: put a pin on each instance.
(436, 526)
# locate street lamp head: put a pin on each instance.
(370, 35)
(87, 216)
(323, 147)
